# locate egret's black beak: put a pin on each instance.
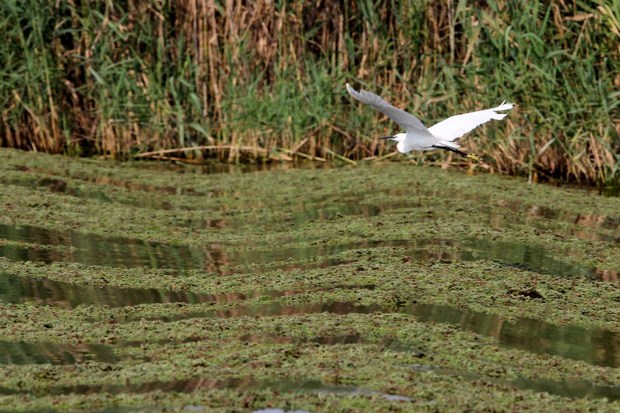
(387, 137)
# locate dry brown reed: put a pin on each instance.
(264, 80)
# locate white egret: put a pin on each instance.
(440, 136)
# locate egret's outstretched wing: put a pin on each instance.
(456, 126)
(406, 121)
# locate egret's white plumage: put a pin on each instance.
(419, 137)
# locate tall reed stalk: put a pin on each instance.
(259, 80)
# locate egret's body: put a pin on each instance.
(418, 137)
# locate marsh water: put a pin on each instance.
(93, 252)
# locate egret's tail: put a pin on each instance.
(450, 144)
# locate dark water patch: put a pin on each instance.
(205, 223)
(179, 386)
(584, 226)
(280, 339)
(513, 254)
(18, 352)
(594, 346)
(340, 339)
(212, 168)
(607, 275)
(195, 385)
(93, 249)
(15, 289)
(275, 309)
(90, 249)
(135, 186)
(416, 248)
(328, 263)
(322, 208)
(589, 235)
(353, 207)
(569, 389)
(574, 389)
(610, 189)
(62, 186)
(353, 204)
(522, 209)
(124, 252)
(316, 386)
(579, 389)
(56, 181)
(133, 409)
(278, 309)
(521, 255)
(594, 221)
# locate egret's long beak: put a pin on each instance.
(387, 137)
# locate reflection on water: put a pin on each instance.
(17, 352)
(279, 339)
(195, 385)
(228, 168)
(526, 256)
(352, 204)
(93, 249)
(15, 289)
(135, 186)
(97, 250)
(594, 346)
(343, 339)
(607, 275)
(583, 226)
(182, 386)
(55, 181)
(598, 347)
(278, 309)
(339, 208)
(272, 410)
(530, 257)
(61, 186)
(586, 220)
(573, 389)
(123, 252)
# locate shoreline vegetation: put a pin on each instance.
(265, 80)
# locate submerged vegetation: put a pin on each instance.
(264, 80)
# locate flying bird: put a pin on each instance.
(418, 137)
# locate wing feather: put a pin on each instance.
(456, 126)
(406, 120)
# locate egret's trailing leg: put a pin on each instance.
(466, 155)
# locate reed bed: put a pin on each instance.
(251, 81)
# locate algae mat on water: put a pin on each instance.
(150, 287)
